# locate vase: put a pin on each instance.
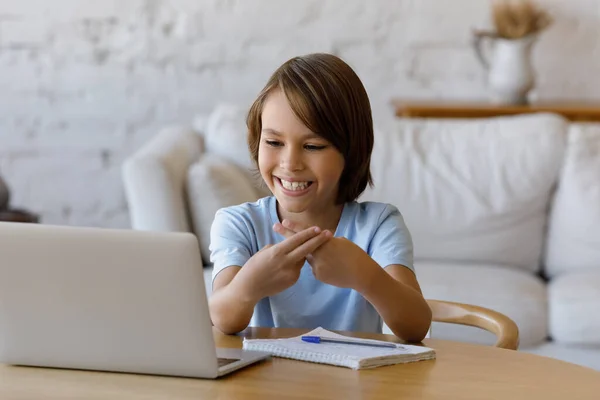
(510, 73)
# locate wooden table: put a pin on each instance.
(581, 112)
(461, 371)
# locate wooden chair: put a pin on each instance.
(505, 329)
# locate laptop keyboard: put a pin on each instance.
(225, 361)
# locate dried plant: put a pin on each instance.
(514, 19)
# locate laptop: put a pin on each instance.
(108, 300)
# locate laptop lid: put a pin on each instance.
(104, 299)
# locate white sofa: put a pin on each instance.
(504, 212)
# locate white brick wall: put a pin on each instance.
(84, 82)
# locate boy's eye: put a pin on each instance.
(273, 143)
(314, 147)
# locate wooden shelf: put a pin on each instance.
(446, 109)
(18, 216)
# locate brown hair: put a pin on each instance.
(329, 98)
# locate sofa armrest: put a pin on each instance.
(154, 180)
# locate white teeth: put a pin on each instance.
(294, 185)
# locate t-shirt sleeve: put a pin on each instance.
(392, 242)
(230, 241)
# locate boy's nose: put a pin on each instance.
(291, 160)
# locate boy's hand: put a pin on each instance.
(277, 267)
(337, 262)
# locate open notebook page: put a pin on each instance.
(345, 355)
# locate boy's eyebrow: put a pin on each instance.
(272, 131)
(278, 133)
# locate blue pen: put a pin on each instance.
(319, 339)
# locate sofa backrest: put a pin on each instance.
(574, 225)
(472, 190)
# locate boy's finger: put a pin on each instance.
(297, 239)
(303, 250)
(293, 226)
(283, 231)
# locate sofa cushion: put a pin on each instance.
(225, 134)
(472, 190)
(517, 294)
(154, 180)
(573, 301)
(213, 183)
(574, 225)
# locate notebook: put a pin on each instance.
(343, 355)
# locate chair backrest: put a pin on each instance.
(505, 329)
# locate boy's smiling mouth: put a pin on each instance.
(293, 185)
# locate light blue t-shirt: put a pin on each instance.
(238, 232)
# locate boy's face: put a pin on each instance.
(301, 169)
